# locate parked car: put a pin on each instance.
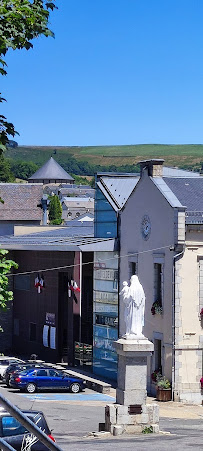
(46, 378)
(16, 368)
(5, 362)
(17, 435)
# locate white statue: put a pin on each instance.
(134, 299)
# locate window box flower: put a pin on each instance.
(157, 308)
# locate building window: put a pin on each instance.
(132, 269)
(157, 355)
(158, 282)
(22, 282)
(33, 332)
(16, 326)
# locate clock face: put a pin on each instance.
(146, 227)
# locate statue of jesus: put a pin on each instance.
(134, 299)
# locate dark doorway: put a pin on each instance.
(68, 326)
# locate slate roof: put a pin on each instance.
(189, 191)
(119, 188)
(20, 201)
(176, 172)
(51, 170)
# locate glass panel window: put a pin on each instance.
(53, 373)
(158, 282)
(41, 373)
(22, 282)
(132, 269)
(33, 331)
(157, 355)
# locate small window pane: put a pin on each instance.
(33, 331)
(132, 269)
(53, 373)
(16, 326)
(158, 282)
(22, 282)
(42, 373)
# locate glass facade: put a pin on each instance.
(105, 313)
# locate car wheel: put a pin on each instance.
(75, 388)
(31, 388)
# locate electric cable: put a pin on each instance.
(88, 263)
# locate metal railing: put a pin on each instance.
(28, 424)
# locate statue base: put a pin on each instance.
(133, 337)
(131, 413)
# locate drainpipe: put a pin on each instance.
(175, 258)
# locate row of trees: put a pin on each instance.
(11, 169)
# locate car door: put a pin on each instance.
(58, 379)
(42, 379)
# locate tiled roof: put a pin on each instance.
(20, 201)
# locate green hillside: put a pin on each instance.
(185, 156)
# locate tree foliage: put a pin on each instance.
(20, 22)
(23, 169)
(5, 267)
(5, 170)
(55, 210)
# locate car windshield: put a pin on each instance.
(24, 372)
(11, 426)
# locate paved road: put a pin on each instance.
(72, 417)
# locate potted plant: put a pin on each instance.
(163, 387)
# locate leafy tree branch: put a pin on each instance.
(5, 267)
(21, 21)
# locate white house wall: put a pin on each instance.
(148, 200)
(188, 331)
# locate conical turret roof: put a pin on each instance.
(51, 172)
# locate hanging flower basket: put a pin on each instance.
(156, 308)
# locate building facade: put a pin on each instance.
(159, 227)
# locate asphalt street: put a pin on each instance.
(73, 417)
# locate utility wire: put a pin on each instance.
(87, 263)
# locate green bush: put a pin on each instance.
(162, 382)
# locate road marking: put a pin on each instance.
(68, 397)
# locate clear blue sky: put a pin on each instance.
(117, 72)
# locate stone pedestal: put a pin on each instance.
(131, 413)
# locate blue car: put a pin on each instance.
(46, 378)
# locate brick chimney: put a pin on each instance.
(154, 167)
